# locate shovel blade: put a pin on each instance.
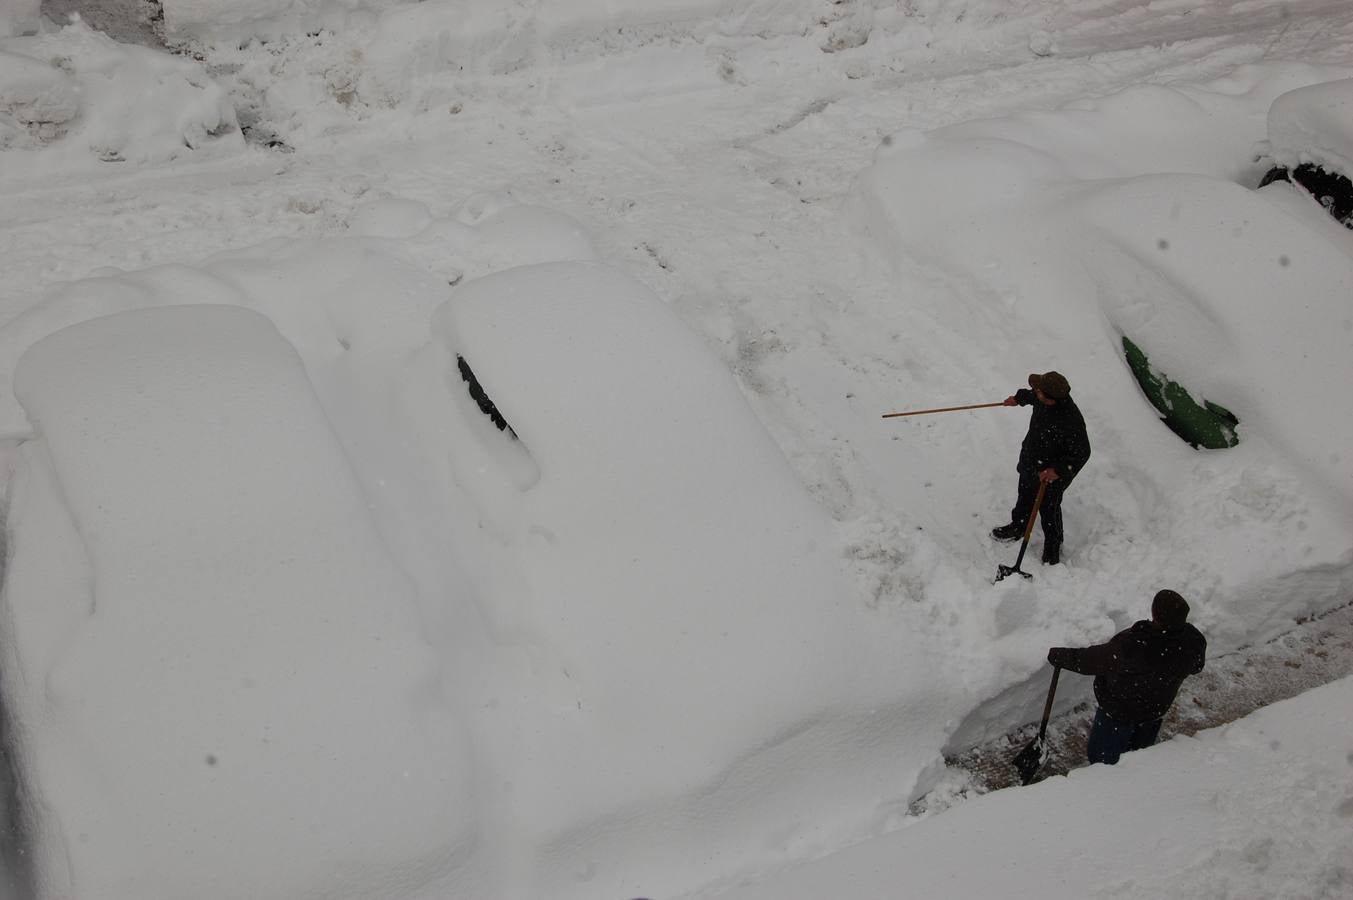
(1002, 571)
(1029, 761)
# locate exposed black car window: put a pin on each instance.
(481, 397)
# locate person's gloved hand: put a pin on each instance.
(1059, 656)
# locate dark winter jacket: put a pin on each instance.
(1138, 672)
(1056, 437)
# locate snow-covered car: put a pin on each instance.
(1310, 144)
(650, 526)
(209, 651)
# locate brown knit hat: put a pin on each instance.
(1168, 608)
(1053, 385)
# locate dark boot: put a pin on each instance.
(1011, 532)
(1052, 554)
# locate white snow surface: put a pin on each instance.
(19, 17)
(252, 610)
(83, 99)
(1314, 124)
(243, 20)
(702, 614)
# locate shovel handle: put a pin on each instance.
(1033, 513)
(926, 412)
(1047, 707)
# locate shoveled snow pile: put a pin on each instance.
(37, 99)
(84, 99)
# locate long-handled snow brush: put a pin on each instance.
(1002, 571)
(926, 412)
(1029, 760)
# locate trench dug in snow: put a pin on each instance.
(1316, 651)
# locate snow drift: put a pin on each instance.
(95, 101)
(288, 735)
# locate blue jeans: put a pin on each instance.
(1110, 739)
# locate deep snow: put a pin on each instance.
(678, 246)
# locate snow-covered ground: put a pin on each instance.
(286, 611)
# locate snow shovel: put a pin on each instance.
(1002, 571)
(1030, 759)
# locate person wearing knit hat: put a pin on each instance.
(1137, 675)
(1054, 451)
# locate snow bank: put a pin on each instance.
(221, 690)
(564, 26)
(433, 55)
(1262, 807)
(1314, 124)
(88, 99)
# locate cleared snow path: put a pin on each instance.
(1316, 651)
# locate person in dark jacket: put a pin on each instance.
(1137, 675)
(1054, 451)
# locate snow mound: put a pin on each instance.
(256, 587)
(37, 99)
(655, 529)
(75, 97)
(1246, 310)
(1314, 124)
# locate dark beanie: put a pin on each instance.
(1168, 608)
(1053, 385)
